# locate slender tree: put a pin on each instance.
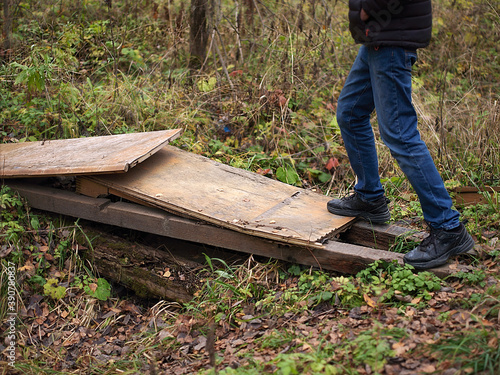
(7, 26)
(198, 33)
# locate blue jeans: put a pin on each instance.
(380, 79)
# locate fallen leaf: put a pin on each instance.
(93, 287)
(28, 266)
(416, 300)
(428, 368)
(282, 101)
(370, 302)
(263, 171)
(164, 334)
(330, 106)
(5, 251)
(400, 348)
(332, 163)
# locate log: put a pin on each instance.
(149, 272)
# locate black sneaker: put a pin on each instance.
(439, 246)
(355, 206)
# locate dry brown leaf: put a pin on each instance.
(369, 301)
(416, 300)
(4, 251)
(28, 266)
(400, 348)
(428, 368)
(93, 287)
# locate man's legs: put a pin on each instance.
(381, 78)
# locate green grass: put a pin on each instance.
(474, 351)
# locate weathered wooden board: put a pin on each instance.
(379, 236)
(197, 187)
(468, 195)
(92, 155)
(333, 255)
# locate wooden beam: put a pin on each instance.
(378, 236)
(333, 255)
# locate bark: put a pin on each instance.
(198, 34)
(149, 272)
(7, 26)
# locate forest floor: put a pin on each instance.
(254, 316)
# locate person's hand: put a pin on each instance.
(364, 16)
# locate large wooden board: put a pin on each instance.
(92, 155)
(197, 187)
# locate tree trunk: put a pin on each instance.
(198, 34)
(7, 26)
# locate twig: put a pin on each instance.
(221, 58)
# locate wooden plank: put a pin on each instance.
(467, 195)
(92, 155)
(378, 236)
(91, 188)
(197, 187)
(333, 255)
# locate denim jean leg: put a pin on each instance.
(354, 108)
(390, 71)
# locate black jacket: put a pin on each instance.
(404, 23)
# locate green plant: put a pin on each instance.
(52, 289)
(387, 280)
(312, 285)
(486, 303)
(224, 292)
(475, 277)
(405, 243)
(483, 215)
(12, 216)
(277, 339)
(95, 287)
(35, 75)
(374, 347)
(287, 174)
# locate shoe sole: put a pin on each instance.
(463, 248)
(368, 216)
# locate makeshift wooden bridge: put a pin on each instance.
(177, 194)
